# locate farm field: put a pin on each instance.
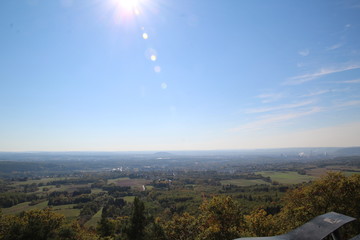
(23, 207)
(318, 172)
(97, 190)
(52, 188)
(128, 182)
(129, 199)
(94, 220)
(67, 210)
(42, 180)
(116, 180)
(243, 182)
(349, 173)
(286, 177)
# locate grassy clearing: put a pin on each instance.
(69, 188)
(243, 182)
(97, 190)
(37, 181)
(129, 199)
(349, 173)
(67, 210)
(117, 180)
(134, 183)
(287, 177)
(14, 210)
(94, 220)
(318, 172)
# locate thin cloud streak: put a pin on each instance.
(280, 107)
(335, 46)
(304, 52)
(348, 103)
(316, 93)
(271, 119)
(350, 81)
(322, 72)
(267, 98)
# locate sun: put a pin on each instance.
(128, 5)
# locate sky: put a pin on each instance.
(133, 75)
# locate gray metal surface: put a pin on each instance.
(356, 237)
(316, 229)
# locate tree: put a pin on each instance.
(333, 192)
(106, 227)
(182, 227)
(259, 223)
(135, 230)
(155, 231)
(33, 224)
(221, 218)
(74, 231)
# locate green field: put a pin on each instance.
(349, 173)
(67, 210)
(97, 190)
(117, 180)
(129, 199)
(37, 181)
(23, 207)
(243, 182)
(94, 220)
(134, 183)
(286, 177)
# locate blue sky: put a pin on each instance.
(113, 75)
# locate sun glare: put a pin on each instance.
(129, 5)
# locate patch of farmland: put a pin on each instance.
(129, 199)
(130, 182)
(244, 182)
(287, 177)
(94, 220)
(67, 210)
(14, 210)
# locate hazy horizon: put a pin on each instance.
(157, 75)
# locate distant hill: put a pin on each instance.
(351, 151)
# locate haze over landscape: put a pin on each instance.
(114, 75)
(179, 119)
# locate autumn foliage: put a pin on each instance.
(220, 217)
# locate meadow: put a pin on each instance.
(94, 220)
(244, 182)
(286, 177)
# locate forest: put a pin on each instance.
(181, 204)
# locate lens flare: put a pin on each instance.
(157, 69)
(129, 5)
(153, 58)
(145, 36)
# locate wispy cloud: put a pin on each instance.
(270, 97)
(320, 92)
(304, 52)
(335, 46)
(348, 103)
(350, 81)
(271, 119)
(280, 107)
(320, 73)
